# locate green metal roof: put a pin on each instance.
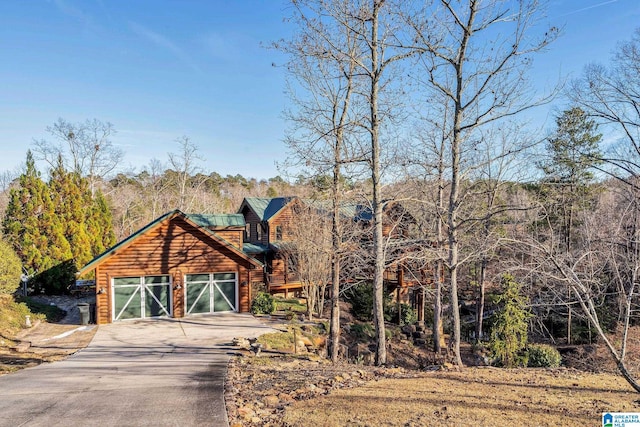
(266, 207)
(279, 245)
(217, 220)
(253, 249)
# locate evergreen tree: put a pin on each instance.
(574, 148)
(574, 151)
(32, 226)
(71, 196)
(100, 225)
(509, 331)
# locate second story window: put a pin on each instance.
(259, 231)
(247, 232)
(278, 232)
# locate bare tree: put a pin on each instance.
(611, 95)
(184, 167)
(475, 56)
(322, 79)
(378, 32)
(309, 250)
(85, 148)
(7, 180)
(604, 263)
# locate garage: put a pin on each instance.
(211, 293)
(141, 297)
(178, 265)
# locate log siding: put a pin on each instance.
(174, 247)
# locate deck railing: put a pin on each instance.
(282, 279)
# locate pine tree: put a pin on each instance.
(574, 151)
(574, 148)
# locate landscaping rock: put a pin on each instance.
(271, 401)
(300, 346)
(305, 341)
(241, 342)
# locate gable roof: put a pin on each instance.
(265, 207)
(199, 222)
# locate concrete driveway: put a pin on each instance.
(159, 372)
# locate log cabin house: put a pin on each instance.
(178, 265)
(269, 220)
(268, 225)
(187, 264)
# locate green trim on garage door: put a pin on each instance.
(141, 297)
(211, 293)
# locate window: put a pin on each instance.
(247, 232)
(278, 232)
(259, 231)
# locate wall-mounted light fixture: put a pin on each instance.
(243, 283)
(177, 287)
(102, 291)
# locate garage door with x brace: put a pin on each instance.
(141, 297)
(211, 293)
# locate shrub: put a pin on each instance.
(408, 316)
(363, 331)
(263, 303)
(543, 356)
(10, 269)
(361, 299)
(55, 280)
(13, 315)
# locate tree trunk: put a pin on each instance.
(453, 230)
(376, 204)
(438, 338)
(481, 297)
(336, 240)
(438, 329)
(455, 343)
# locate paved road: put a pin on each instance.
(159, 372)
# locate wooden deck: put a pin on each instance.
(295, 287)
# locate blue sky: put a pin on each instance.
(159, 70)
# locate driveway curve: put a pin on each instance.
(162, 372)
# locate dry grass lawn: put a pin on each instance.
(43, 346)
(473, 397)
